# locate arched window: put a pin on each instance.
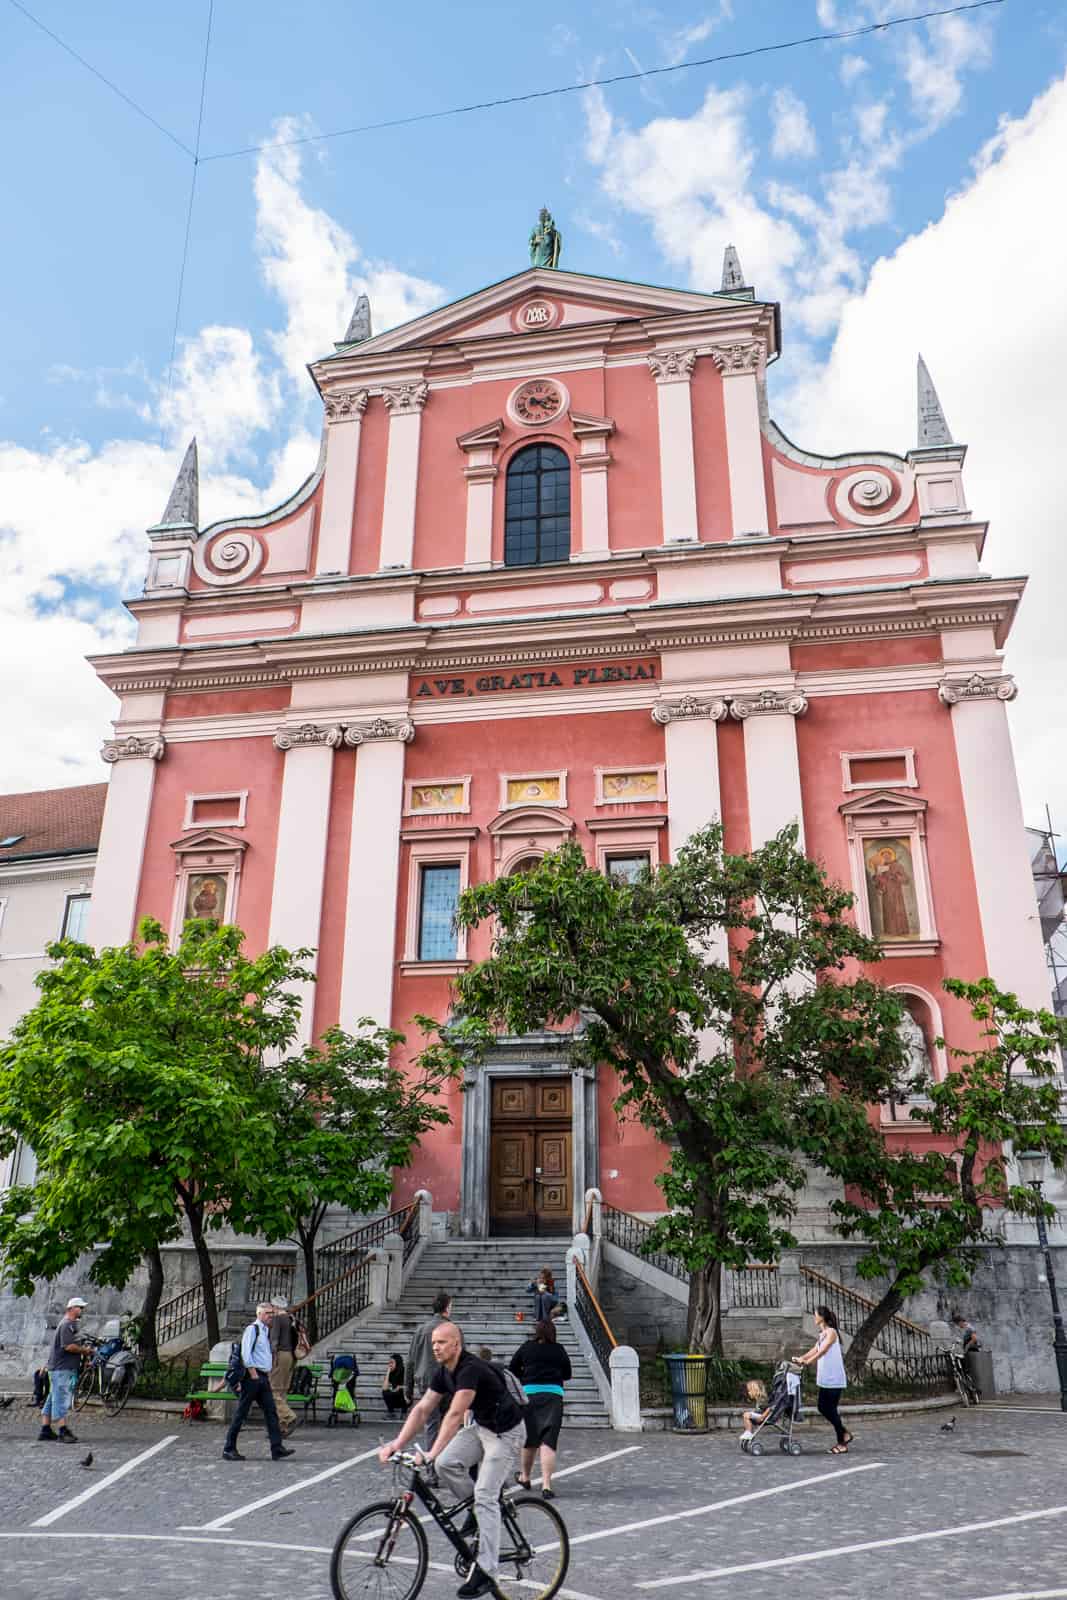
(537, 510)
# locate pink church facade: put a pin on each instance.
(557, 575)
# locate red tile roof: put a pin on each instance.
(52, 821)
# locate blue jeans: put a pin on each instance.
(60, 1395)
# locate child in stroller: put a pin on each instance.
(781, 1410)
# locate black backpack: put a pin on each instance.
(513, 1392)
(302, 1381)
(236, 1371)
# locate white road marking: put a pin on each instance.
(254, 1544)
(852, 1549)
(1028, 1594)
(279, 1494)
(1041, 1411)
(102, 1483)
(718, 1505)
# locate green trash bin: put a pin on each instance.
(689, 1392)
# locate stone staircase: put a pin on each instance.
(487, 1279)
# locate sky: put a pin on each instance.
(897, 192)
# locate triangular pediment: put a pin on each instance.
(201, 839)
(885, 801)
(571, 299)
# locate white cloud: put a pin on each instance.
(793, 134)
(934, 65)
(72, 517)
(980, 292)
(851, 68)
(677, 45)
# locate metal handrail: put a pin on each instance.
(593, 1320)
(352, 1245)
(864, 1300)
(755, 1285)
(329, 1316)
(266, 1281)
(185, 1310)
(629, 1233)
(899, 1336)
(411, 1229)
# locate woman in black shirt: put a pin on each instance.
(542, 1367)
(393, 1385)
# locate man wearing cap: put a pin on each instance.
(64, 1364)
(283, 1350)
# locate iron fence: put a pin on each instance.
(899, 1339)
(185, 1310)
(587, 1308)
(632, 1233)
(911, 1374)
(265, 1280)
(336, 1302)
(339, 1255)
(755, 1287)
(410, 1229)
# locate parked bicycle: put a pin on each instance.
(382, 1553)
(112, 1370)
(966, 1387)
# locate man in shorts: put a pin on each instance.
(64, 1364)
(492, 1443)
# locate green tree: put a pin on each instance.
(923, 1211)
(743, 1067)
(346, 1117)
(135, 1080)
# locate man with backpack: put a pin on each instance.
(496, 1402)
(255, 1365)
(284, 1331)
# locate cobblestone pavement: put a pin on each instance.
(664, 1516)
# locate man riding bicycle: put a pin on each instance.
(491, 1443)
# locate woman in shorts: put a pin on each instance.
(542, 1366)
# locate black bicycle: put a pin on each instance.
(382, 1553)
(966, 1387)
(111, 1371)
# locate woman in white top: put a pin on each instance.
(829, 1375)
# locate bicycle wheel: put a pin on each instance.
(85, 1386)
(380, 1554)
(535, 1551)
(117, 1392)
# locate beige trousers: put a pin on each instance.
(280, 1374)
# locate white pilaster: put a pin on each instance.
(300, 858)
(405, 402)
(480, 447)
(740, 366)
(344, 422)
(593, 461)
(117, 877)
(772, 765)
(1007, 901)
(672, 370)
(373, 870)
(691, 742)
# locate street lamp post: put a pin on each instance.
(1032, 1168)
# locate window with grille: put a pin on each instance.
(438, 894)
(76, 916)
(627, 869)
(537, 510)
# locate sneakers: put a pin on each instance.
(46, 1433)
(276, 1455)
(66, 1437)
(746, 1436)
(232, 1455)
(478, 1583)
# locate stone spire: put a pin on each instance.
(360, 326)
(183, 507)
(933, 429)
(732, 276)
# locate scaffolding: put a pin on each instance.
(1050, 878)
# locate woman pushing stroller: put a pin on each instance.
(829, 1374)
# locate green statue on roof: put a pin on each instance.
(546, 241)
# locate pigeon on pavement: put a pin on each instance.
(88, 1460)
(8, 1400)
(949, 1427)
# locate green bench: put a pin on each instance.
(217, 1370)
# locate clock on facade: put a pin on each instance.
(537, 401)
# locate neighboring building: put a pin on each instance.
(1048, 884)
(557, 575)
(48, 842)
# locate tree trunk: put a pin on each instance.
(866, 1335)
(705, 1310)
(207, 1271)
(307, 1246)
(150, 1304)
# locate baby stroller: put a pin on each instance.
(344, 1370)
(783, 1410)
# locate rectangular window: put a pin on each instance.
(627, 869)
(878, 769)
(438, 894)
(76, 916)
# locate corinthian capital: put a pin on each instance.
(380, 728)
(770, 702)
(404, 398)
(132, 748)
(952, 692)
(346, 405)
(672, 366)
(687, 708)
(732, 359)
(307, 734)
